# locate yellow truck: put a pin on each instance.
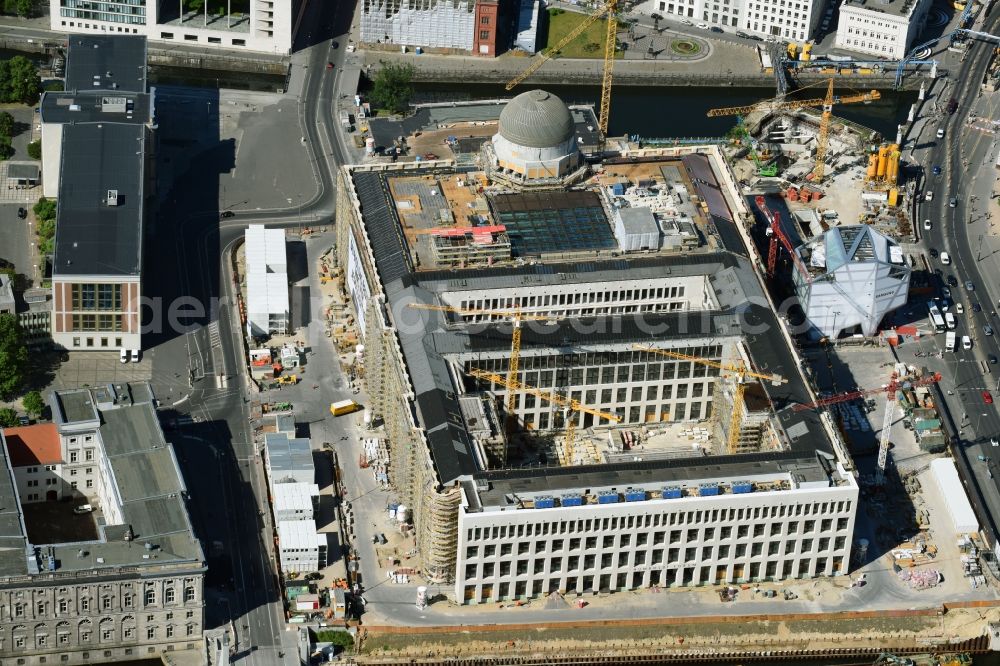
(342, 407)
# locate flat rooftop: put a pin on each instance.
(106, 62)
(549, 222)
(895, 7)
(150, 485)
(101, 209)
(430, 350)
(95, 107)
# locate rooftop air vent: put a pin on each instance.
(112, 197)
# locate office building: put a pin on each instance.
(881, 28)
(301, 549)
(266, 26)
(793, 21)
(115, 573)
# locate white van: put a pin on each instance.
(945, 259)
(966, 342)
(940, 133)
(123, 356)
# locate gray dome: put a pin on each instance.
(536, 119)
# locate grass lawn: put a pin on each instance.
(562, 22)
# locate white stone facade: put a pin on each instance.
(530, 162)
(784, 19)
(800, 532)
(267, 28)
(880, 30)
(447, 24)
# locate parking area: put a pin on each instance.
(86, 368)
(17, 237)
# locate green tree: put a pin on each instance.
(195, 5)
(8, 417)
(6, 124)
(35, 149)
(33, 403)
(19, 81)
(339, 638)
(24, 8)
(45, 209)
(13, 357)
(54, 85)
(392, 89)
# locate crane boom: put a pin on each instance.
(870, 96)
(731, 367)
(854, 395)
(548, 396)
(507, 314)
(779, 233)
(611, 39)
(544, 56)
(883, 444)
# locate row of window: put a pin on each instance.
(96, 296)
(644, 364)
(87, 26)
(63, 605)
(659, 556)
(79, 342)
(544, 419)
(19, 638)
(667, 519)
(575, 298)
(98, 322)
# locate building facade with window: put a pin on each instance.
(886, 29)
(134, 590)
(791, 20)
(267, 26)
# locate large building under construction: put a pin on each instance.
(645, 434)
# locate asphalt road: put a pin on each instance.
(960, 154)
(200, 362)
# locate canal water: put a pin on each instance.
(669, 112)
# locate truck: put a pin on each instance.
(342, 407)
(949, 320)
(949, 341)
(345, 120)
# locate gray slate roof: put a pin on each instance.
(106, 62)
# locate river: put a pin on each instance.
(680, 111)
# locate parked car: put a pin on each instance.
(22, 213)
(927, 224)
(83, 508)
(987, 398)
(329, 65)
(226, 214)
(976, 307)
(969, 286)
(987, 329)
(952, 202)
(952, 281)
(992, 359)
(334, 45)
(946, 291)
(123, 356)
(929, 196)
(684, 21)
(952, 108)
(959, 308)
(945, 259)
(703, 26)
(716, 28)
(936, 170)
(135, 356)
(940, 133)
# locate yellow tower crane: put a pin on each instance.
(825, 102)
(515, 317)
(513, 386)
(611, 37)
(741, 371)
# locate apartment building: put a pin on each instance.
(266, 26)
(121, 583)
(882, 28)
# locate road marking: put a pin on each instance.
(213, 334)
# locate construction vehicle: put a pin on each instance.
(741, 372)
(342, 407)
(514, 386)
(610, 9)
(766, 168)
(288, 379)
(515, 317)
(826, 103)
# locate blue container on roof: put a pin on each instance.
(607, 498)
(618, 189)
(671, 493)
(545, 502)
(632, 495)
(742, 487)
(708, 489)
(572, 500)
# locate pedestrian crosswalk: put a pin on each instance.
(213, 334)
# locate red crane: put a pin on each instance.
(779, 235)
(894, 385)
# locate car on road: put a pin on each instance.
(226, 214)
(134, 356)
(952, 108)
(744, 35)
(959, 308)
(946, 291)
(123, 356)
(992, 359)
(83, 508)
(334, 45)
(987, 398)
(929, 196)
(684, 21)
(966, 342)
(716, 28)
(933, 252)
(329, 65)
(969, 286)
(936, 170)
(927, 225)
(976, 307)
(952, 281)
(945, 259)
(952, 202)
(940, 133)
(22, 213)
(703, 26)
(987, 329)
